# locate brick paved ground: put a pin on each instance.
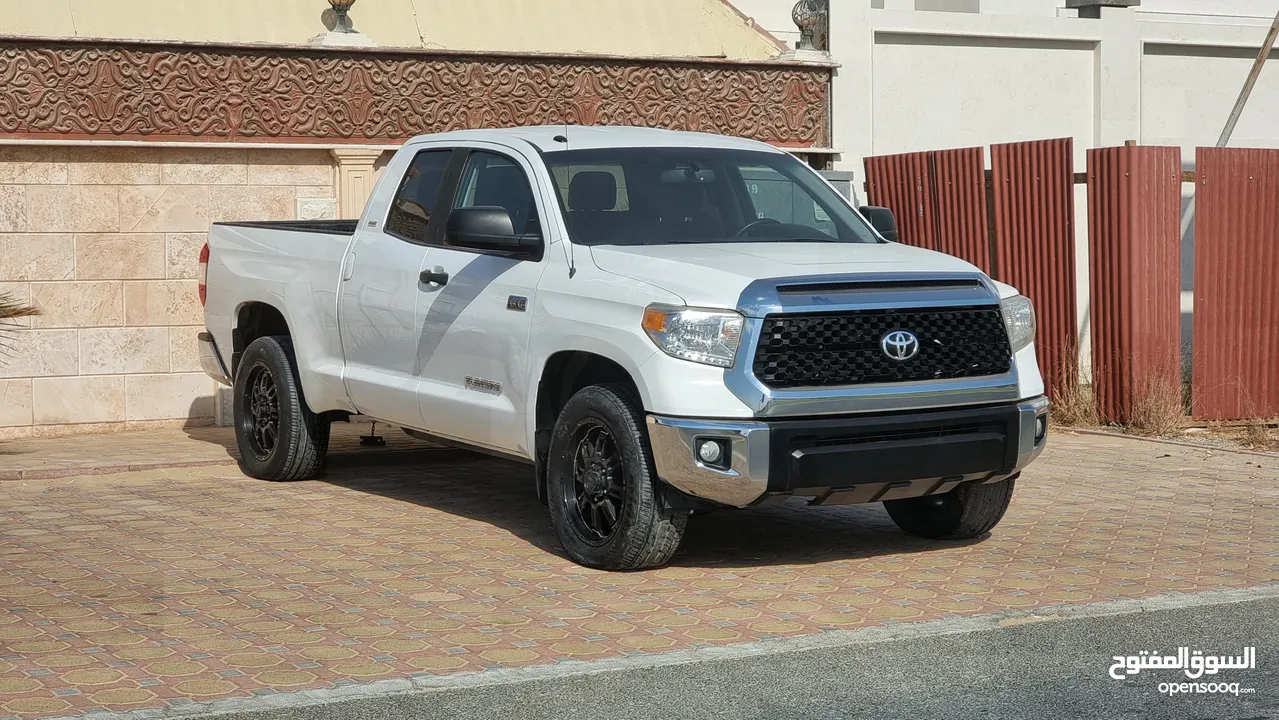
(37, 458)
(167, 587)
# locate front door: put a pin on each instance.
(475, 327)
(381, 289)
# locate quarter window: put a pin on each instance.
(410, 214)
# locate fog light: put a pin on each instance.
(710, 451)
(1041, 428)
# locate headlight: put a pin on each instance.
(703, 336)
(1019, 318)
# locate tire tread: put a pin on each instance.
(658, 529)
(306, 443)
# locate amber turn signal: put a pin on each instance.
(654, 320)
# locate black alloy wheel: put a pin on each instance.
(599, 488)
(262, 421)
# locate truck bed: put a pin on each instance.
(294, 267)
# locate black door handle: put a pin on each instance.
(434, 277)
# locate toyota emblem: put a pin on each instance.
(900, 345)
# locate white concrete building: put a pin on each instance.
(928, 74)
(932, 74)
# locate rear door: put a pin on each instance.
(475, 327)
(381, 286)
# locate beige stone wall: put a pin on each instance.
(105, 241)
(679, 28)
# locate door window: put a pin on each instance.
(490, 180)
(415, 199)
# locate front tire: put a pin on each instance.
(278, 436)
(966, 512)
(603, 490)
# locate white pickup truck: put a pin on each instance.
(659, 322)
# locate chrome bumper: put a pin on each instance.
(674, 442)
(745, 479)
(211, 359)
(1032, 413)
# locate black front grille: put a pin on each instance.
(844, 348)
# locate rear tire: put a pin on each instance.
(966, 512)
(278, 436)
(604, 495)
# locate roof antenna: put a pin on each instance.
(564, 114)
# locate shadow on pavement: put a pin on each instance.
(225, 437)
(344, 439)
(501, 494)
(485, 489)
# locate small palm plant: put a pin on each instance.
(12, 310)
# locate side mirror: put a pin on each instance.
(487, 228)
(882, 219)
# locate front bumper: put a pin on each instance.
(844, 460)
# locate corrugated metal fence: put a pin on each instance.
(1236, 322)
(1033, 187)
(904, 184)
(1134, 232)
(939, 198)
(963, 226)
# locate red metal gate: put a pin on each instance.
(1236, 322)
(1134, 230)
(1034, 203)
(939, 198)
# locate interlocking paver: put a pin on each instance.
(43, 458)
(173, 586)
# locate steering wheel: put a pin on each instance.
(745, 232)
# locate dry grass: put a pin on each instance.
(1258, 435)
(1073, 402)
(1074, 406)
(1159, 408)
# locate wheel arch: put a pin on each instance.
(563, 374)
(253, 320)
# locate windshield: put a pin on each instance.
(663, 196)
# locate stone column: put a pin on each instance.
(1118, 110)
(356, 178)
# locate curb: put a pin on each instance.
(297, 702)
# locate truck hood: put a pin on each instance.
(714, 275)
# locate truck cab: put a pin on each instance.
(657, 322)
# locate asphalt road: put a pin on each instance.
(1051, 669)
